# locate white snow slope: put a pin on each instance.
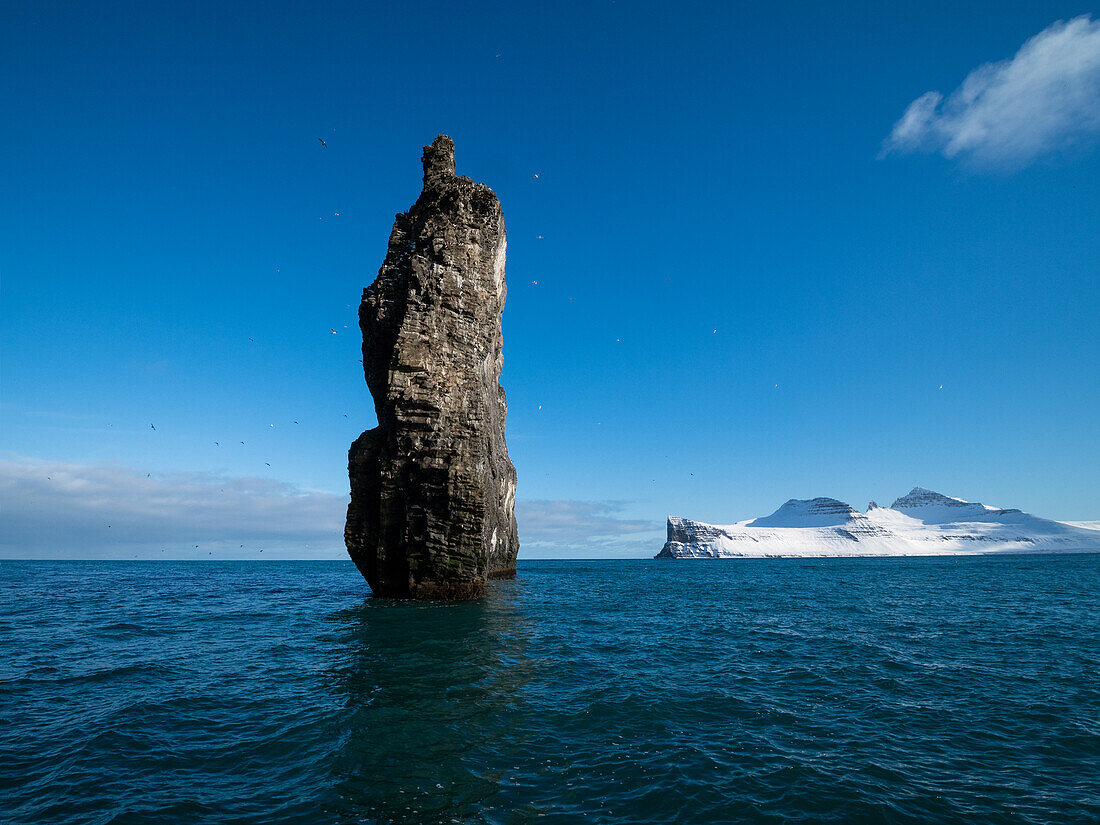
(922, 523)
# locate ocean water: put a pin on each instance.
(772, 691)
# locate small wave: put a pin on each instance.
(639, 693)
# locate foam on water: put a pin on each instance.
(766, 691)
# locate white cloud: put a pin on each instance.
(572, 529)
(565, 520)
(1045, 99)
(64, 510)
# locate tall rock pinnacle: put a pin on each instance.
(432, 487)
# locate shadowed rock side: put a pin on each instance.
(432, 487)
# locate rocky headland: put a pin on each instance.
(920, 523)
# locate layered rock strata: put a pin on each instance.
(432, 487)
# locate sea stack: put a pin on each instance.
(432, 511)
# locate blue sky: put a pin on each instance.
(774, 260)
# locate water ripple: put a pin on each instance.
(771, 691)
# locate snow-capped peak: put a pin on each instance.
(936, 508)
(922, 522)
(811, 512)
(923, 497)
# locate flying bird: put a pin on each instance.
(323, 144)
(331, 330)
(152, 427)
(535, 176)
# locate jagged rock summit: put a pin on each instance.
(432, 487)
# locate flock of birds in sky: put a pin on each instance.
(333, 331)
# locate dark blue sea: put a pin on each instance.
(759, 691)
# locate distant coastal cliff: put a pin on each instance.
(920, 523)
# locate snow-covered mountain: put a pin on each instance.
(920, 523)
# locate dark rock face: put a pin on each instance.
(432, 487)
